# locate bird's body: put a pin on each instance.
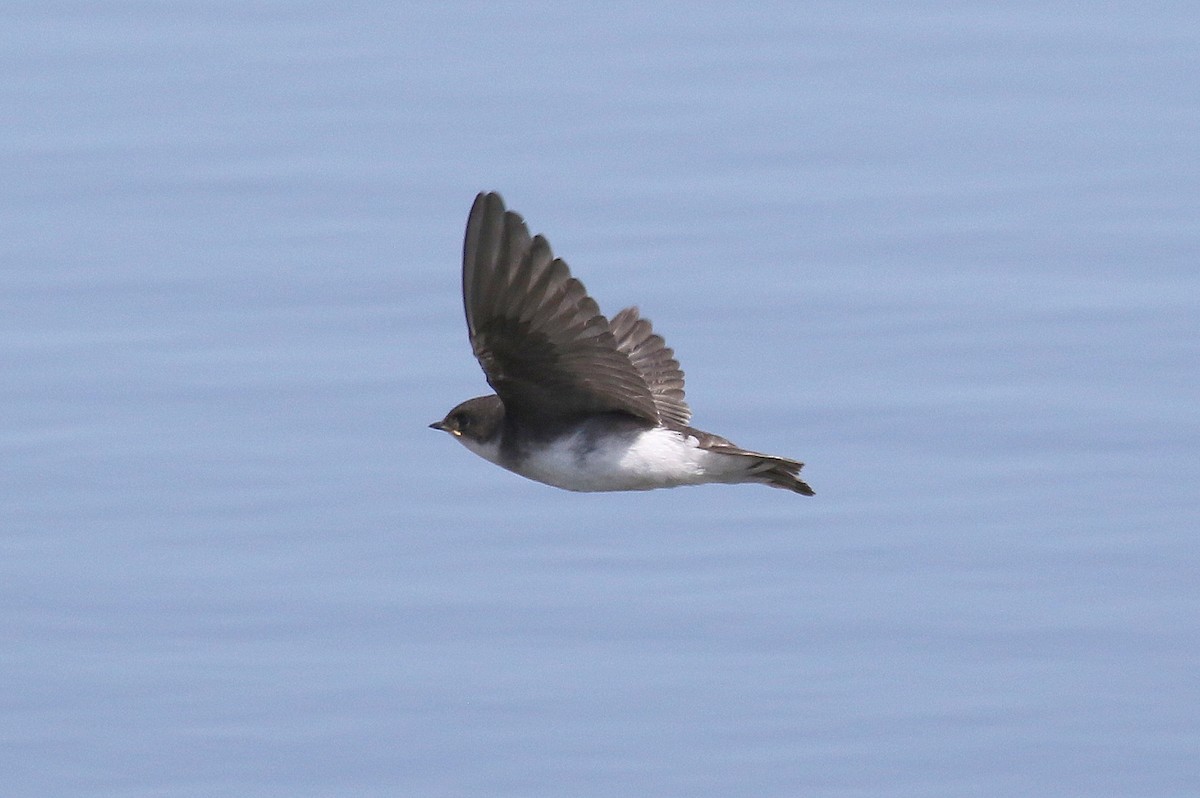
(613, 452)
(582, 403)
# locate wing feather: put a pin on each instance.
(655, 361)
(542, 342)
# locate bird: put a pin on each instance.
(582, 402)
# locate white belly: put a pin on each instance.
(656, 458)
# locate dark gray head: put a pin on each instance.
(476, 420)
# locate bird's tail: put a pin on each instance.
(779, 472)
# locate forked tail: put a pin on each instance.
(779, 472)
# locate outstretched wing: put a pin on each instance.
(542, 342)
(655, 361)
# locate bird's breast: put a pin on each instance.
(628, 460)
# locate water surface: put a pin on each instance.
(944, 253)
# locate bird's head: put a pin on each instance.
(475, 421)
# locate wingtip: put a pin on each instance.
(489, 198)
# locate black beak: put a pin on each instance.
(438, 425)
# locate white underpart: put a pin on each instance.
(655, 458)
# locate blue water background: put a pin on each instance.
(946, 253)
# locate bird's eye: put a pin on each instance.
(462, 420)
